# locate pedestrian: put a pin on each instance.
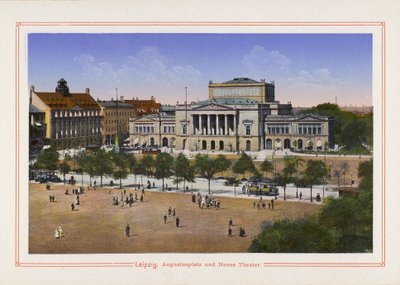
(229, 232)
(66, 192)
(72, 207)
(77, 200)
(261, 199)
(141, 198)
(177, 222)
(154, 185)
(127, 230)
(165, 219)
(254, 205)
(143, 191)
(230, 222)
(124, 191)
(173, 213)
(301, 195)
(57, 233)
(60, 231)
(169, 212)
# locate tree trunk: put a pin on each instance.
(184, 185)
(163, 184)
(120, 183)
(209, 189)
(284, 192)
(311, 193)
(101, 180)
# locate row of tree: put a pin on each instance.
(119, 165)
(343, 225)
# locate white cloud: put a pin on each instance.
(261, 62)
(151, 67)
(93, 70)
(319, 79)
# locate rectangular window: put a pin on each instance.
(268, 130)
(319, 130)
(286, 130)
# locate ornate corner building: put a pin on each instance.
(72, 120)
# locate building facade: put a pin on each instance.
(72, 120)
(115, 119)
(37, 129)
(305, 132)
(155, 130)
(241, 115)
(243, 88)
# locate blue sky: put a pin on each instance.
(307, 69)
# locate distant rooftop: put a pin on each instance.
(240, 80)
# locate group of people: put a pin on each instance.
(171, 214)
(52, 198)
(205, 201)
(262, 204)
(242, 232)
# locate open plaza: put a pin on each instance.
(98, 225)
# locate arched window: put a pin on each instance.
(165, 142)
(248, 130)
(248, 145)
(212, 145)
(151, 141)
(268, 144)
(204, 145)
(221, 145)
(286, 143)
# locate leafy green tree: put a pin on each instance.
(121, 166)
(181, 166)
(244, 164)
(163, 167)
(132, 165)
(64, 166)
(208, 167)
(102, 164)
(148, 165)
(48, 159)
(298, 236)
(314, 174)
(267, 167)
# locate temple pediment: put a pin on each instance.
(213, 107)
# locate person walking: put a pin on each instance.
(127, 230)
(229, 232)
(230, 222)
(169, 212)
(141, 198)
(173, 213)
(165, 219)
(177, 222)
(72, 207)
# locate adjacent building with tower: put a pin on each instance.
(72, 120)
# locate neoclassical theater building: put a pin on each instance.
(240, 114)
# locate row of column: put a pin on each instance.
(216, 129)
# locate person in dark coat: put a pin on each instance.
(165, 219)
(177, 222)
(72, 207)
(229, 232)
(127, 230)
(230, 222)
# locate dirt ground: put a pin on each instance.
(97, 226)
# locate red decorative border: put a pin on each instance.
(18, 262)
